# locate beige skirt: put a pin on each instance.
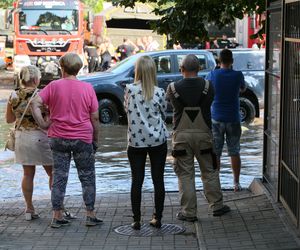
(32, 148)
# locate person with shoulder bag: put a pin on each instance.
(28, 140)
(31, 142)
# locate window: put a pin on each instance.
(249, 61)
(201, 58)
(163, 64)
(48, 20)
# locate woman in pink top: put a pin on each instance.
(73, 129)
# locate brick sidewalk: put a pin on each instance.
(253, 223)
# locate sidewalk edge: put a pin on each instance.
(257, 187)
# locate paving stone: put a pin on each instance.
(251, 224)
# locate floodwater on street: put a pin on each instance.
(112, 167)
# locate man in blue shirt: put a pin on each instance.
(226, 122)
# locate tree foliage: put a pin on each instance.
(183, 20)
(6, 3)
(95, 5)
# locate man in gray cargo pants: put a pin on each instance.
(191, 99)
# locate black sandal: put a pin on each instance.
(155, 222)
(136, 225)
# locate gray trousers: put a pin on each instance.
(197, 145)
(84, 158)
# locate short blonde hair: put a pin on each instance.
(71, 63)
(28, 74)
(145, 73)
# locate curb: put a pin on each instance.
(257, 187)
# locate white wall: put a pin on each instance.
(241, 27)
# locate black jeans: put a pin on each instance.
(137, 159)
(92, 63)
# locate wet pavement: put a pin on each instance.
(253, 223)
(112, 167)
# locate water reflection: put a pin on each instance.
(113, 170)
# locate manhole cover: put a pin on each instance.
(147, 230)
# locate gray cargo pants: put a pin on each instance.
(194, 139)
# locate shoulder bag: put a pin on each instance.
(10, 143)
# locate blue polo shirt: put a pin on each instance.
(227, 84)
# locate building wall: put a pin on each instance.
(242, 31)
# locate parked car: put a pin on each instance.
(109, 85)
(252, 63)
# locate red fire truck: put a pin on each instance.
(44, 31)
(248, 26)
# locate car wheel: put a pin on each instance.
(108, 112)
(247, 110)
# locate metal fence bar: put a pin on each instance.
(290, 131)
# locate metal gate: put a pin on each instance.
(289, 183)
(272, 96)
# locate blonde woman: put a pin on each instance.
(32, 147)
(145, 106)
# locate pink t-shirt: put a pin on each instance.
(71, 103)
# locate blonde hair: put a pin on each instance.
(145, 73)
(71, 63)
(28, 74)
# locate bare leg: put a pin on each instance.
(48, 170)
(90, 213)
(236, 168)
(58, 214)
(27, 186)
